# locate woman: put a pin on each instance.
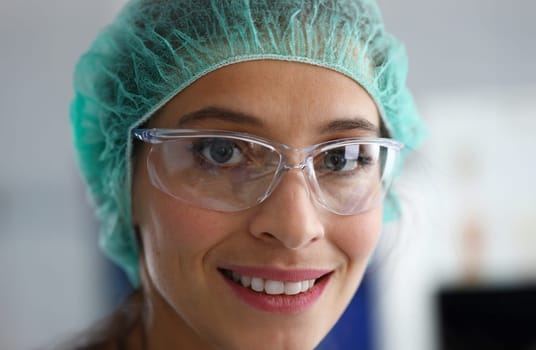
(239, 155)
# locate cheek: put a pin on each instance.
(176, 239)
(357, 236)
(187, 226)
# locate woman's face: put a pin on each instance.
(188, 252)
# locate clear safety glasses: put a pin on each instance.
(231, 171)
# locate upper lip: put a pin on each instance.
(279, 274)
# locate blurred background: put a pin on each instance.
(459, 268)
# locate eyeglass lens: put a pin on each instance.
(231, 174)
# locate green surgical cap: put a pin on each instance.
(156, 48)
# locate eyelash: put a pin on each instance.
(198, 147)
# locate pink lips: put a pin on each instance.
(280, 303)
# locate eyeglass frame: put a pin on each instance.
(161, 135)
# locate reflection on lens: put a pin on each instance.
(350, 190)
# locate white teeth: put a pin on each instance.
(257, 284)
(246, 281)
(304, 285)
(292, 288)
(272, 287)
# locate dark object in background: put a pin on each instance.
(487, 318)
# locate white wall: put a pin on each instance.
(465, 43)
(470, 216)
(472, 71)
(50, 276)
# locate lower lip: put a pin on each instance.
(280, 303)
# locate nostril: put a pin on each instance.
(290, 240)
(267, 236)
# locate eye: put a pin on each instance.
(347, 158)
(219, 151)
(336, 160)
(340, 159)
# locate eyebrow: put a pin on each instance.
(217, 113)
(227, 115)
(358, 122)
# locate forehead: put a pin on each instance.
(279, 95)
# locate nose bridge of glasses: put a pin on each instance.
(295, 158)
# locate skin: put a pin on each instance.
(190, 305)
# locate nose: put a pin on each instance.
(289, 216)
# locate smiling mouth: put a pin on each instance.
(268, 286)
